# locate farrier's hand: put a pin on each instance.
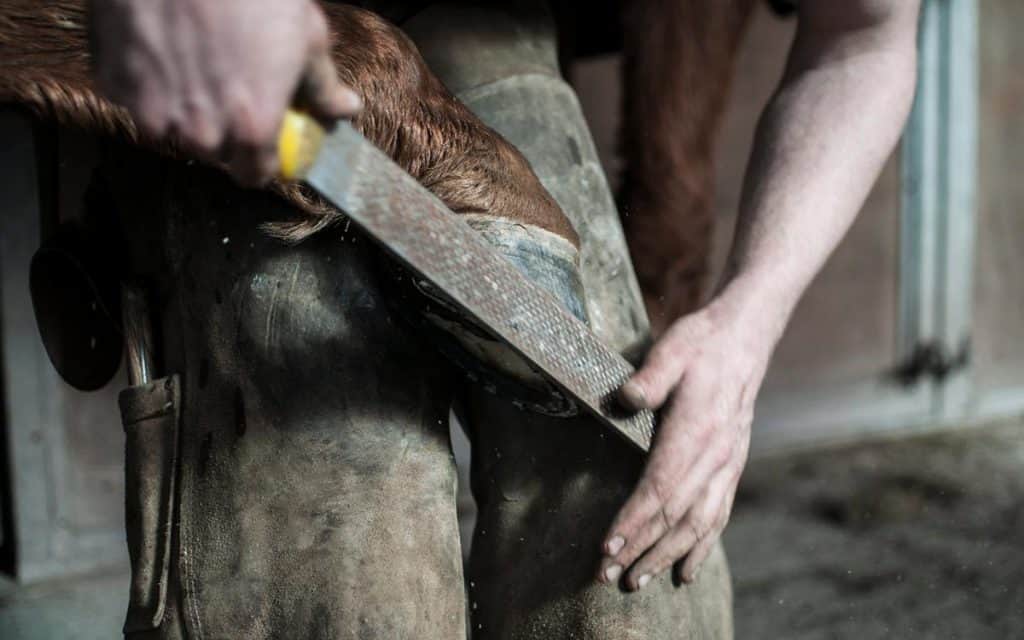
(704, 373)
(217, 75)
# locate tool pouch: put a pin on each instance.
(150, 414)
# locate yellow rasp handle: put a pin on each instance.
(298, 144)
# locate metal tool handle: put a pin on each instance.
(138, 333)
(298, 144)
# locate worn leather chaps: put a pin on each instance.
(547, 488)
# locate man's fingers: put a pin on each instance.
(638, 542)
(250, 146)
(211, 77)
(662, 369)
(701, 521)
(656, 504)
(204, 128)
(319, 90)
(700, 552)
(708, 520)
(638, 510)
(252, 166)
(638, 525)
(323, 95)
(153, 123)
(704, 521)
(670, 548)
(153, 107)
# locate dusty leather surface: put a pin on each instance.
(547, 488)
(317, 495)
(150, 414)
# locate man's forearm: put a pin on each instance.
(820, 146)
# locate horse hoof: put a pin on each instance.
(545, 258)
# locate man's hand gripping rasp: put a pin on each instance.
(415, 227)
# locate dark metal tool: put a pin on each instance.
(414, 226)
(73, 280)
(138, 333)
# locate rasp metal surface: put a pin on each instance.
(413, 225)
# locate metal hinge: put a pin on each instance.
(931, 360)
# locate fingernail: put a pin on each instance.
(615, 545)
(692, 576)
(612, 573)
(357, 101)
(642, 582)
(353, 100)
(633, 394)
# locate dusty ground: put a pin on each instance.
(86, 608)
(920, 538)
(912, 539)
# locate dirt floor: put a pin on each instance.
(918, 538)
(910, 539)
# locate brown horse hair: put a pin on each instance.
(409, 114)
(678, 59)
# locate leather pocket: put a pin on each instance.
(150, 414)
